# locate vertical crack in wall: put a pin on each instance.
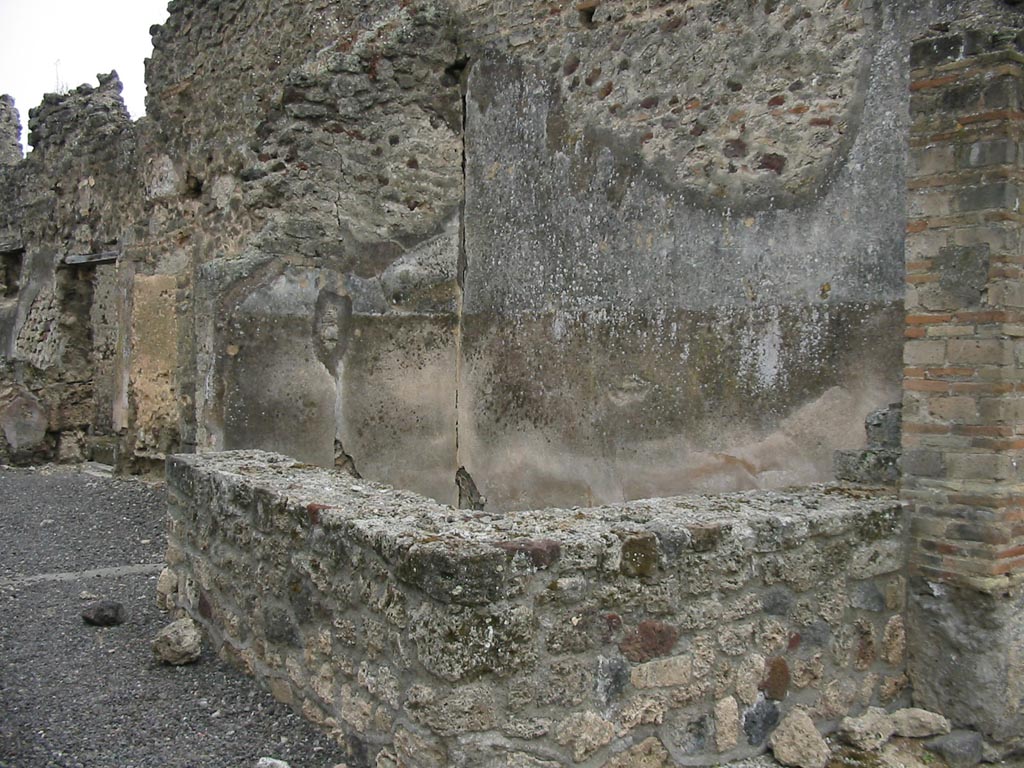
(460, 70)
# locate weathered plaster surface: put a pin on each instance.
(154, 345)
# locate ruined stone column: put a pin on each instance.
(10, 132)
(964, 380)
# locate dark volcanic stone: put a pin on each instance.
(104, 613)
(759, 720)
(961, 749)
(640, 555)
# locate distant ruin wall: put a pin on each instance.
(682, 629)
(63, 212)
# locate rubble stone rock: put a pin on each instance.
(649, 753)
(915, 723)
(166, 589)
(759, 720)
(585, 733)
(796, 742)
(104, 613)
(869, 732)
(884, 427)
(662, 673)
(727, 724)
(179, 643)
(894, 641)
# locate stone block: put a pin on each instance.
(927, 161)
(23, 420)
(958, 408)
(662, 673)
(796, 742)
(923, 463)
(870, 467)
(1006, 293)
(650, 639)
(871, 731)
(963, 272)
(957, 637)
(760, 720)
(470, 708)
(775, 683)
(936, 50)
(894, 641)
(499, 641)
(727, 724)
(584, 733)
(980, 466)
(982, 154)
(930, 203)
(970, 352)
(916, 723)
(994, 195)
(453, 572)
(960, 748)
(649, 753)
(924, 353)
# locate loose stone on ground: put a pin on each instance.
(105, 613)
(179, 643)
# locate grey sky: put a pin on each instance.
(50, 45)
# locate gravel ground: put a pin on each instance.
(77, 695)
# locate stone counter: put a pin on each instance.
(674, 631)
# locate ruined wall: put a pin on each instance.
(587, 255)
(10, 132)
(63, 212)
(583, 253)
(680, 630)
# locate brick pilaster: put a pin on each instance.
(963, 408)
(963, 417)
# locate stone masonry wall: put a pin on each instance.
(678, 629)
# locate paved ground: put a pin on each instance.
(76, 695)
